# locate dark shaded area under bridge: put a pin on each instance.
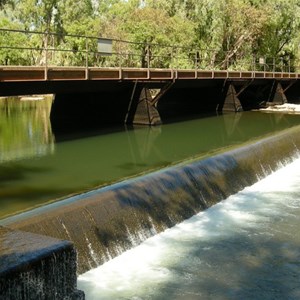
(93, 97)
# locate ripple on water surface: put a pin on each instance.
(246, 247)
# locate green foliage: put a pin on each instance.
(166, 33)
(10, 40)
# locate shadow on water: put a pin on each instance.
(11, 192)
(115, 218)
(247, 248)
(274, 276)
(17, 171)
(256, 261)
(130, 166)
(22, 199)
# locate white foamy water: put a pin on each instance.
(246, 247)
(286, 107)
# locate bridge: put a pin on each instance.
(113, 81)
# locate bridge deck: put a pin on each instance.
(95, 73)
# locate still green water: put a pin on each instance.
(37, 167)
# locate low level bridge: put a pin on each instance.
(112, 86)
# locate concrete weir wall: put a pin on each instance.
(36, 267)
(105, 222)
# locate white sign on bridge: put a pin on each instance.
(105, 46)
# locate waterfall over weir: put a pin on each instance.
(105, 222)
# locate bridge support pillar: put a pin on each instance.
(279, 96)
(232, 102)
(146, 112)
(142, 109)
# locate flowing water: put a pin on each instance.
(245, 247)
(37, 166)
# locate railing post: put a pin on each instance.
(148, 56)
(86, 59)
(120, 62)
(196, 64)
(172, 62)
(227, 62)
(172, 58)
(175, 53)
(176, 62)
(46, 55)
(176, 58)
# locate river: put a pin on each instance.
(38, 166)
(245, 247)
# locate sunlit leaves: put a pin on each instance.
(218, 32)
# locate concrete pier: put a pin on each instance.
(33, 266)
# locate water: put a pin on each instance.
(38, 166)
(245, 247)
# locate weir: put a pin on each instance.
(105, 222)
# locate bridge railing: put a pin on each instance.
(34, 48)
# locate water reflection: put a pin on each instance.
(34, 169)
(25, 128)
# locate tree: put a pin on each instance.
(279, 39)
(240, 33)
(10, 40)
(157, 36)
(216, 33)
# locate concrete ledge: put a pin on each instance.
(33, 266)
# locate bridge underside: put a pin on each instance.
(94, 103)
(155, 102)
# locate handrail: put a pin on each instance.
(81, 50)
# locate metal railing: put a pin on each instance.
(34, 48)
